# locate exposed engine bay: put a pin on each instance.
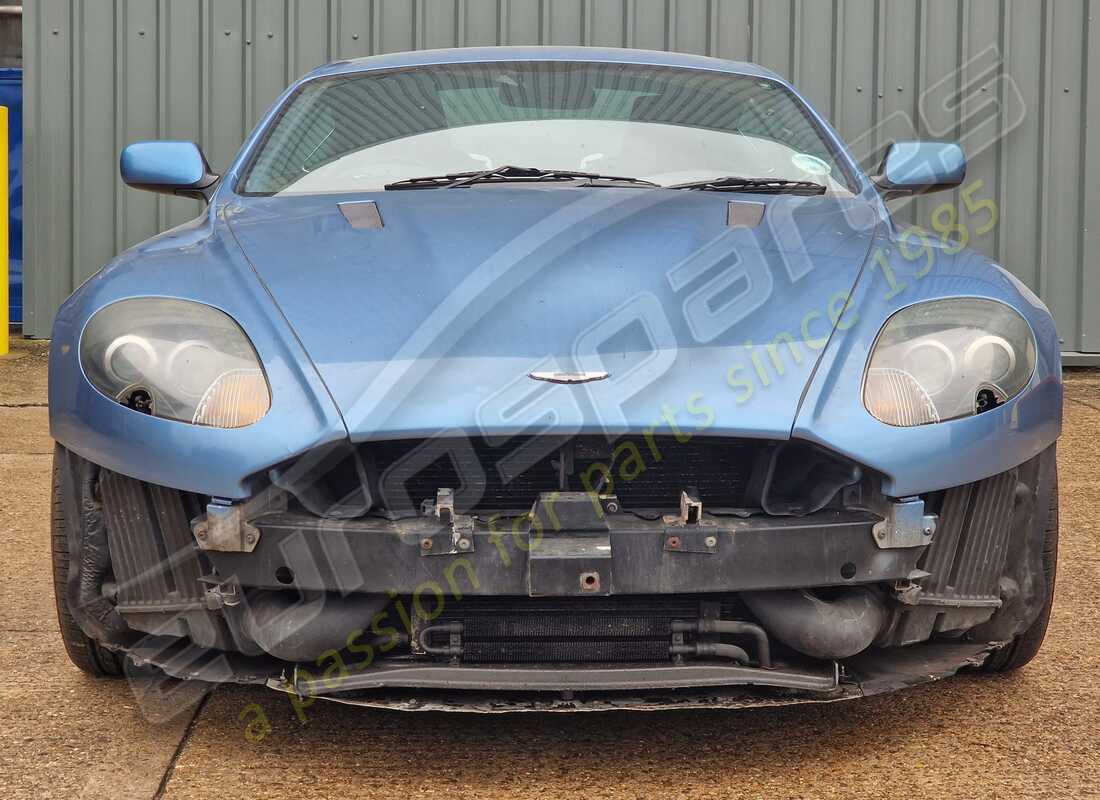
(658, 571)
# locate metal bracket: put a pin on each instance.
(905, 525)
(221, 595)
(445, 505)
(908, 591)
(589, 582)
(460, 537)
(571, 564)
(227, 528)
(691, 540)
(691, 512)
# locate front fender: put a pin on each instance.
(930, 457)
(198, 261)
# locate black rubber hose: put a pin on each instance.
(294, 629)
(447, 650)
(714, 649)
(735, 628)
(829, 629)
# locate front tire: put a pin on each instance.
(85, 652)
(1024, 647)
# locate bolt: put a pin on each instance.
(612, 507)
(928, 531)
(463, 544)
(228, 32)
(55, 31)
(270, 35)
(141, 33)
(355, 36)
(674, 542)
(250, 538)
(201, 533)
(425, 544)
(880, 534)
(711, 541)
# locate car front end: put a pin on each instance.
(630, 436)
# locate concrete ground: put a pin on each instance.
(1032, 734)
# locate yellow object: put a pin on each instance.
(238, 398)
(4, 322)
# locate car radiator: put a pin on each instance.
(513, 475)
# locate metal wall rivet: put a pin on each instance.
(355, 36)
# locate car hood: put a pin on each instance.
(433, 323)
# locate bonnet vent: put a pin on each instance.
(743, 214)
(363, 216)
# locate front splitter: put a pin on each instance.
(655, 688)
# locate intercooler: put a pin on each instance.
(157, 568)
(965, 562)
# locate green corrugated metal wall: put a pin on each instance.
(1014, 79)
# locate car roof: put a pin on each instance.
(470, 55)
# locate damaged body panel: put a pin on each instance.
(808, 604)
(620, 415)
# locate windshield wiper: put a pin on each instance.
(505, 174)
(733, 183)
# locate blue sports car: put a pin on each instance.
(553, 378)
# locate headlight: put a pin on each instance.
(175, 359)
(947, 359)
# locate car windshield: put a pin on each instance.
(670, 126)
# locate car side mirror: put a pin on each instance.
(177, 168)
(911, 168)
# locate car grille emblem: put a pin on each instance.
(569, 377)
